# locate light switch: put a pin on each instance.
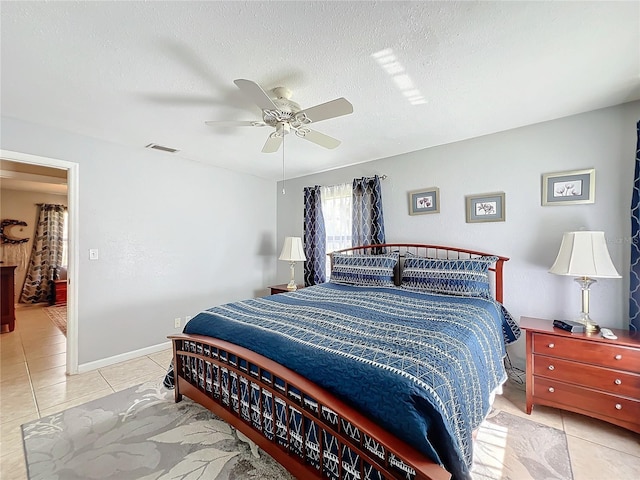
(93, 254)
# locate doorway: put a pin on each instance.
(72, 172)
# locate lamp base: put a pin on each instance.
(292, 284)
(589, 325)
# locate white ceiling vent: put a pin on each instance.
(155, 146)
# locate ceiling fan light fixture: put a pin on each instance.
(283, 115)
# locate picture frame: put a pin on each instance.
(485, 207)
(569, 188)
(424, 201)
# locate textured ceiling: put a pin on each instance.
(140, 72)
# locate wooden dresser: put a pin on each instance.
(583, 373)
(7, 298)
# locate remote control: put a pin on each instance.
(606, 333)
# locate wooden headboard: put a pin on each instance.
(435, 251)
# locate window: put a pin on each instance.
(336, 210)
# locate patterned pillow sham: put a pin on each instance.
(467, 277)
(364, 270)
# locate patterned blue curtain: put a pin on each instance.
(315, 248)
(46, 255)
(367, 218)
(634, 277)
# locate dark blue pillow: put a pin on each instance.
(467, 277)
(365, 270)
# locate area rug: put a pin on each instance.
(58, 315)
(141, 434)
(509, 447)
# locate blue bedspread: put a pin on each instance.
(422, 366)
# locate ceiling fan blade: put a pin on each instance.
(272, 144)
(319, 138)
(256, 94)
(231, 123)
(334, 108)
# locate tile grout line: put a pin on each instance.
(26, 364)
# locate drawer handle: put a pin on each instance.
(618, 357)
(617, 381)
(551, 367)
(551, 345)
(551, 389)
(618, 406)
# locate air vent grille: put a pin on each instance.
(155, 146)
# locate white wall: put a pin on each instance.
(22, 205)
(174, 237)
(512, 162)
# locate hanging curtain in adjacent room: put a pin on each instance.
(46, 254)
(367, 218)
(314, 237)
(634, 277)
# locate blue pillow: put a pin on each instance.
(365, 270)
(468, 277)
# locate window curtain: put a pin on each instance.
(46, 254)
(314, 237)
(367, 218)
(634, 277)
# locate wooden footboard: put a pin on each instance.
(310, 432)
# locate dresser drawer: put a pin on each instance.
(617, 382)
(596, 353)
(621, 408)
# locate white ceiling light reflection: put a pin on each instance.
(390, 64)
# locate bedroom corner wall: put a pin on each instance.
(174, 237)
(512, 162)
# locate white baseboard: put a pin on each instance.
(123, 357)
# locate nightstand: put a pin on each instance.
(583, 373)
(60, 289)
(282, 288)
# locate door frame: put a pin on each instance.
(73, 204)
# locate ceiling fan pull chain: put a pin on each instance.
(283, 175)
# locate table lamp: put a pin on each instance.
(584, 255)
(292, 252)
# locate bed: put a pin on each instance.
(384, 372)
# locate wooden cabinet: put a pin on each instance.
(282, 288)
(7, 298)
(60, 292)
(583, 373)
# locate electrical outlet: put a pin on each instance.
(93, 254)
(176, 322)
(186, 319)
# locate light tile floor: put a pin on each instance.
(33, 384)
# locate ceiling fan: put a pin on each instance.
(286, 116)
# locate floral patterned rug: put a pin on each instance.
(142, 434)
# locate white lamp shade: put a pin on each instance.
(292, 250)
(584, 254)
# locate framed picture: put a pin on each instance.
(488, 207)
(426, 200)
(569, 188)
